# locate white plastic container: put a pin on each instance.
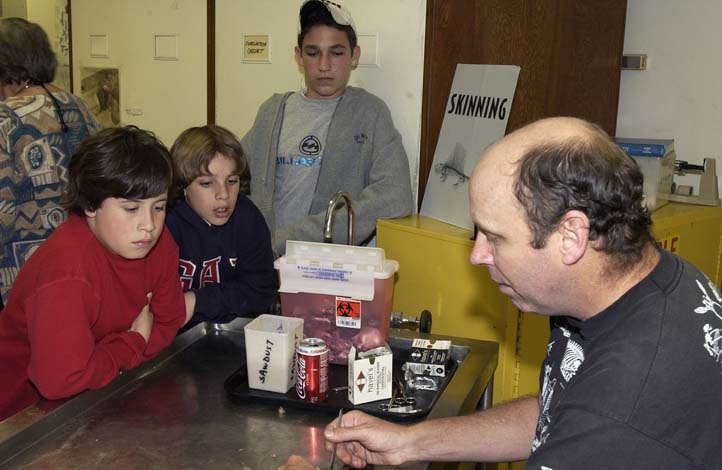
(271, 342)
(658, 178)
(343, 293)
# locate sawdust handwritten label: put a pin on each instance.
(265, 361)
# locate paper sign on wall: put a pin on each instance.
(257, 48)
(476, 115)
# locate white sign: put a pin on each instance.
(476, 116)
(313, 277)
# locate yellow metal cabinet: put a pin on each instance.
(692, 232)
(435, 274)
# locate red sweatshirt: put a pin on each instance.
(65, 326)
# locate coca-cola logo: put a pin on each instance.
(301, 382)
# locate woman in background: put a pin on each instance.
(40, 128)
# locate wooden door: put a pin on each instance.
(569, 51)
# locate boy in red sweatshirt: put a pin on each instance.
(101, 294)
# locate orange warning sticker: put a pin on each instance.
(348, 312)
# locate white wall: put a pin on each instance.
(14, 8)
(242, 87)
(51, 16)
(170, 94)
(42, 12)
(680, 94)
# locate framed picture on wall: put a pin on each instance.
(100, 88)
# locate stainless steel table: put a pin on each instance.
(172, 412)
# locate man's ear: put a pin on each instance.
(355, 56)
(90, 213)
(573, 232)
(297, 55)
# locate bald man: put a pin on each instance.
(633, 376)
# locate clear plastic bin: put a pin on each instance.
(344, 294)
(658, 178)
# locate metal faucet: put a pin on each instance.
(330, 214)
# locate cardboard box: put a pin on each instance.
(370, 375)
(429, 357)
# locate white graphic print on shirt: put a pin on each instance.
(571, 360)
(712, 336)
(542, 427)
(573, 357)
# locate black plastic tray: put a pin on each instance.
(237, 388)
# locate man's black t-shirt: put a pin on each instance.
(639, 385)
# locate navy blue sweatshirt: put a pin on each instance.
(230, 267)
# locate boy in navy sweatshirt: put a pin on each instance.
(226, 260)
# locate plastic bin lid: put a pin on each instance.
(327, 268)
(363, 257)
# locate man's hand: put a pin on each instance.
(363, 440)
(143, 323)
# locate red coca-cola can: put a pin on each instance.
(312, 370)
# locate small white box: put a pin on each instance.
(271, 342)
(429, 357)
(370, 375)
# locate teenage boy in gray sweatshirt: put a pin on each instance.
(305, 146)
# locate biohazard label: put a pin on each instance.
(348, 312)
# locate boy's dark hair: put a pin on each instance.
(120, 162)
(25, 53)
(194, 149)
(314, 13)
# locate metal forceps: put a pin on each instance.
(404, 400)
(398, 404)
(332, 461)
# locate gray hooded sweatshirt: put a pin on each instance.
(363, 156)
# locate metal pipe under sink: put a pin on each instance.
(336, 201)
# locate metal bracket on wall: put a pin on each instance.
(634, 62)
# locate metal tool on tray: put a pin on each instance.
(390, 404)
(402, 404)
(333, 204)
(332, 461)
(404, 400)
